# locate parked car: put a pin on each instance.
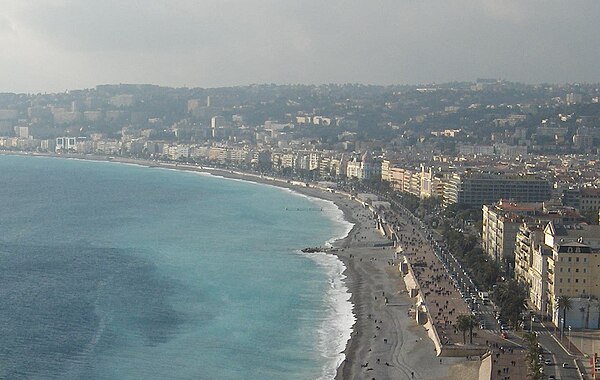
(547, 362)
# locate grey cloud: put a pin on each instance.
(228, 42)
(6, 26)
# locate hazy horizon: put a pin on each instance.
(58, 45)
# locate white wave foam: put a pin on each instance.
(336, 328)
(334, 213)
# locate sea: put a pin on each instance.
(115, 271)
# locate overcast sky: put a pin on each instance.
(55, 45)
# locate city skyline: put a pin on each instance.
(57, 45)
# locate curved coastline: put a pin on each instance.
(334, 332)
(383, 341)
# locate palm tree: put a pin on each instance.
(463, 325)
(471, 325)
(564, 303)
(466, 322)
(511, 297)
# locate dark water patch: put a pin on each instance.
(60, 306)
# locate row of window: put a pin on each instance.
(576, 270)
(576, 291)
(569, 280)
(576, 259)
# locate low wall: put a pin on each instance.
(433, 335)
(462, 351)
(485, 369)
(412, 286)
(414, 290)
(409, 278)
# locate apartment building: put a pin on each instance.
(363, 167)
(583, 199)
(386, 174)
(478, 188)
(531, 263)
(560, 260)
(501, 222)
(574, 267)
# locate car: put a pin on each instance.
(551, 377)
(565, 365)
(504, 335)
(548, 362)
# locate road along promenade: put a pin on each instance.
(438, 303)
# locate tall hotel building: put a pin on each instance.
(475, 189)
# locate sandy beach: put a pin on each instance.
(386, 342)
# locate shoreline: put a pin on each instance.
(385, 341)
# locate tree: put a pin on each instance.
(466, 322)
(564, 303)
(471, 325)
(510, 297)
(533, 360)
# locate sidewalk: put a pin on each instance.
(568, 345)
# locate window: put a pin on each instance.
(584, 270)
(584, 280)
(568, 280)
(561, 269)
(569, 259)
(576, 270)
(577, 281)
(560, 280)
(577, 259)
(560, 290)
(569, 270)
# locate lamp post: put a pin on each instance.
(561, 326)
(569, 339)
(531, 324)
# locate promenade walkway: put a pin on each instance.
(445, 303)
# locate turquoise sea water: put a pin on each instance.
(114, 271)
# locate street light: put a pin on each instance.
(531, 325)
(569, 339)
(561, 326)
